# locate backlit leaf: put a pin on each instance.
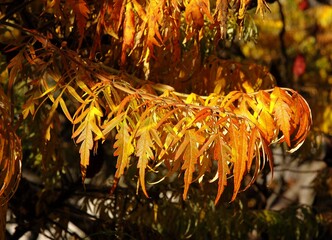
(192, 140)
(239, 143)
(123, 148)
(222, 155)
(144, 149)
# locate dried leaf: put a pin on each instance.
(129, 30)
(81, 12)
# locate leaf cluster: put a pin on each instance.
(224, 134)
(142, 79)
(154, 126)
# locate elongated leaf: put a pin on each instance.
(192, 141)
(65, 110)
(222, 156)
(81, 12)
(10, 152)
(239, 144)
(73, 92)
(128, 31)
(144, 149)
(124, 148)
(89, 126)
(283, 113)
(86, 138)
(108, 126)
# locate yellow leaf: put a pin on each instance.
(222, 156)
(73, 92)
(80, 117)
(144, 149)
(65, 110)
(87, 144)
(79, 130)
(115, 121)
(84, 87)
(96, 111)
(192, 141)
(124, 148)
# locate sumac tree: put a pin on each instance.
(145, 77)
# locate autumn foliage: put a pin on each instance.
(159, 92)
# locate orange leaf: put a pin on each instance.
(128, 31)
(222, 157)
(193, 15)
(15, 65)
(239, 144)
(205, 162)
(302, 120)
(253, 146)
(283, 113)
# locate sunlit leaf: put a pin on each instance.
(190, 145)
(123, 148)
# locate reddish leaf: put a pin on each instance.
(128, 32)
(299, 66)
(81, 12)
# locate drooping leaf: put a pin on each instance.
(283, 113)
(81, 12)
(223, 156)
(89, 122)
(221, 12)
(144, 148)
(190, 145)
(239, 142)
(123, 148)
(129, 30)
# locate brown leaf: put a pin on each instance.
(81, 12)
(129, 30)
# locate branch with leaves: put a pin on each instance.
(227, 132)
(156, 127)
